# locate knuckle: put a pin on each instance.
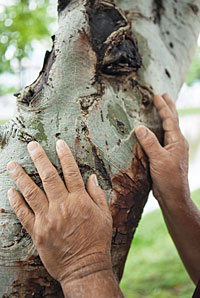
(102, 197)
(149, 142)
(64, 156)
(20, 176)
(186, 144)
(176, 115)
(31, 193)
(159, 165)
(16, 207)
(39, 238)
(21, 213)
(39, 156)
(51, 227)
(74, 176)
(77, 186)
(71, 173)
(49, 175)
(170, 124)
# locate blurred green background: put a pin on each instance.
(153, 268)
(21, 23)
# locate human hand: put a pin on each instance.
(168, 164)
(70, 227)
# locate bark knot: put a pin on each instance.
(112, 39)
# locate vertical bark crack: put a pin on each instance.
(100, 166)
(158, 10)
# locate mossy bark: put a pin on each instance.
(96, 86)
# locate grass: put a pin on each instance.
(3, 122)
(189, 111)
(153, 267)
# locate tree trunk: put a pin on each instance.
(96, 86)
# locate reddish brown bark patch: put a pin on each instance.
(129, 195)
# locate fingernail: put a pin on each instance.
(32, 147)
(11, 194)
(96, 183)
(60, 144)
(11, 167)
(141, 132)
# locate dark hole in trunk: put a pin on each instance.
(120, 54)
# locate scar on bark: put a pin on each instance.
(112, 39)
(100, 166)
(30, 94)
(194, 8)
(130, 192)
(158, 9)
(39, 283)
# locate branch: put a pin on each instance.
(176, 27)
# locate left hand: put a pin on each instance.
(70, 227)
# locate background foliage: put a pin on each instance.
(194, 71)
(153, 268)
(21, 22)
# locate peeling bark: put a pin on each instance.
(96, 86)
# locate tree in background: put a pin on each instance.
(96, 86)
(21, 22)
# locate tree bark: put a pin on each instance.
(96, 86)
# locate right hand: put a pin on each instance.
(70, 227)
(168, 164)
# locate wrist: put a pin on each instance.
(99, 284)
(173, 197)
(93, 277)
(85, 266)
(175, 203)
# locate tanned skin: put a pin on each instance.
(71, 225)
(169, 172)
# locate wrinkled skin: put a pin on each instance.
(81, 218)
(71, 227)
(169, 172)
(168, 164)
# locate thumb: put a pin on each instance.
(95, 192)
(149, 142)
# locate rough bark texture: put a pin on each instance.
(96, 86)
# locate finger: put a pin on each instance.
(53, 184)
(172, 137)
(33, 195)
(96, 193)
(170, 122)
(149, 142)
(162, 107)
(170, 104)
(21, 209)
(72, 175)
